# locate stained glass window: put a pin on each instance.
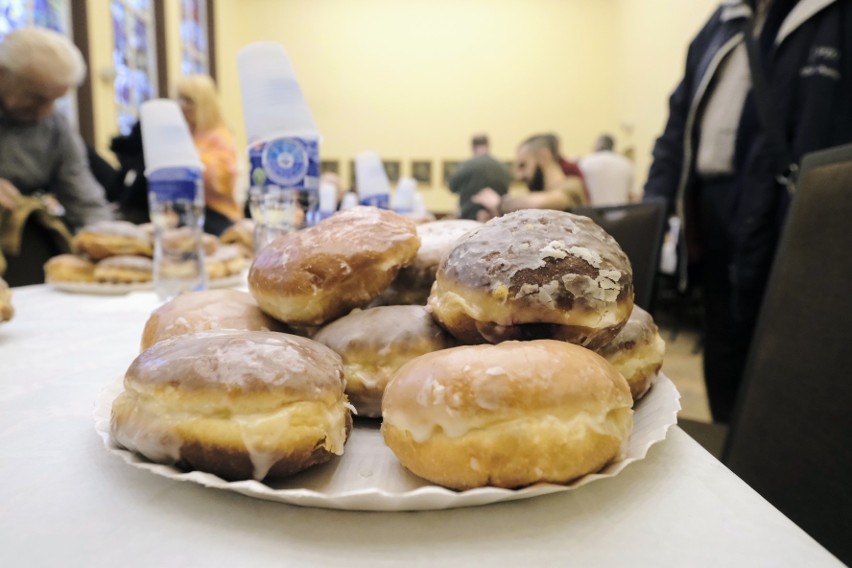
(193, 34)
(134, 57)
(51, 14)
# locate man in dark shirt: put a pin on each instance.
(479, 172)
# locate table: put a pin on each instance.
(67, 502)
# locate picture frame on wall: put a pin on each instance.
(421, 170)
(392, 169)
(330, 166)
(450, 167)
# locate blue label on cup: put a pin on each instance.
(175, 184)
(289, 163)
(380, 201)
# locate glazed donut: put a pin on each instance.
(374, 343)
(124, 269)
(238, 404)
(534, 274)
(208, 310)
(112, 238)
(226, 261)
(414, 282)
(313, 276)
(6, 309)
(240, 233)
(637, 352)
(69, 268)
(184, 239)
(507, 415)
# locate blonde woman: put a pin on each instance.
(200, 105)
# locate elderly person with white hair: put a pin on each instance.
(39, 152)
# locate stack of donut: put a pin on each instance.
(522, 366)
(118, 252)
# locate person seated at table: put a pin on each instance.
(215, 144)
(46, 186)
(477, 173)
(538, 165)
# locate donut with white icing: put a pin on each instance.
(124, 269)
(534, 274)
(207, 310)
(69, 268)
(313, 276)
(112, 238)
(240, 405)
(507, 415)
(414, 282)
(374, 343)
(637, 352)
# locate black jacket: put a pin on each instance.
(806, 49)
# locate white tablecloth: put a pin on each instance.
(64, 501)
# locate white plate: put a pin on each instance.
(100, 288)
(368, 476)
(109, 289)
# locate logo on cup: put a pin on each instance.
(285, 161)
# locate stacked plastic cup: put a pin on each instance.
(405, 198)
(283, 143)
(371, 180)
(175, 197)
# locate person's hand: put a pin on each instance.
(9, 195)
(489, 199)
(483, 216)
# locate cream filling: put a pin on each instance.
(151, 428)
(502, 314)
(453, 424)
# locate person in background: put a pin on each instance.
(609, 176)
(538, 165)
(475, 174)
(44, 175)
(130, 190)
(569, 168)
(719, 166)
(200, 105)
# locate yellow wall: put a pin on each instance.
(652, 38)
(414, 79)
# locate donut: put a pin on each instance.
(374, 343)
(313, 276)
(124, 269)
(112, 238)
(237, 404)
(184, 239)
(414, 282)
(207, 310)
(637, 352)
(226, 261)
(6, 309)
(69, 268)
(240, 233)
(534, 274)
(507, 415)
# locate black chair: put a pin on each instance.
(791, 436)
(639, 229)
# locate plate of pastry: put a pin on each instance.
(369, 477)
